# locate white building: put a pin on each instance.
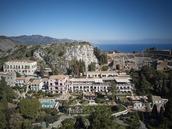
(58, 84)
(88, 85)
(36, 85)
(123, 84)
(139, 103)
(139, 106)
(22, 81)
(24, 67)
(101, 74)
(10, 77)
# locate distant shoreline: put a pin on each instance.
(130, 47)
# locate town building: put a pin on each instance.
(88, 85)
(142, 103)
(10, 77)
(22, 81)
(138, 103)
(159, 102)
(123, 84)
(36, 85)
(23, 67)
(163, 65)
(101, 74)
(58, 84)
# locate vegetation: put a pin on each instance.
(113, 85)
(104, 68)
(29, 108)
(150, 81)
(76, 68)
(92, 66)
(102, 57)
(68, 124)
(98, 119)
(6, 95)
(18, 74)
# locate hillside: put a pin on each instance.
(38, 39)
(6, 43)
(56, 56)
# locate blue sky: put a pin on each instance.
(88, 19)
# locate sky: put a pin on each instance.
(92, 20)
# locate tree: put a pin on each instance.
(15, 121)
(104, 68)
(82, 123)
(76, 67)
(18, 74)
(29, 108)
(6, 92)
(101, 119)
(145, 85)
(6, 95)
(68, 124)
(92, 66)
(3, 121)
(102, 57)
(113, 85)
(133, 121)
(26, 124)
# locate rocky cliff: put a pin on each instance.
(81, 52)
(60, 55)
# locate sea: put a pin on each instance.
(132, 47)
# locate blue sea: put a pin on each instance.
(132, 47)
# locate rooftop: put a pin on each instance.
(98, 80)
(101, 72)
(36, 81)
(122, 79)
(58, 77)
(136, 98)
(23, 78)
(7, 73)
(19, 61)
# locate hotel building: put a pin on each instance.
(123, 84)
(24, 67)
(101, 74)
(36, 85)
(88, 85)
(58, 84)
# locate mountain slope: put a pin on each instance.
(6, 43)
(38, 39)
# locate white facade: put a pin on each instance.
(123, 84)
(58, 84)
(21, 66)
(101, 74)
(22, 81)
(87, 85)
(36, 85)
(139, 105)
(62, 84)
(9, 77)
